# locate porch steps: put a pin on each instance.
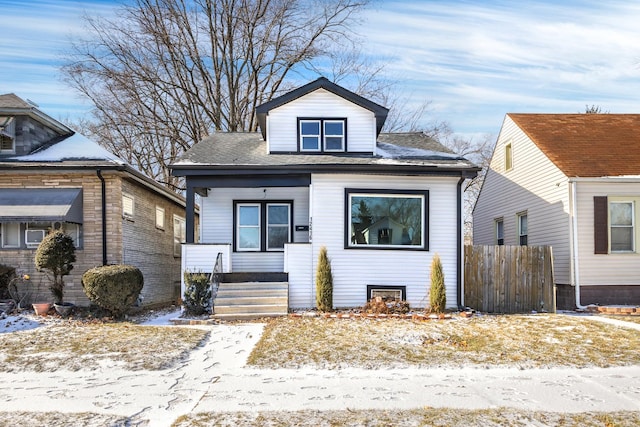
(251, 300)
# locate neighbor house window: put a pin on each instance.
(621, 216)
(322, 135)
(10, 235)
(7, 135)
(386, 219)
(499, 231)
(159, 217)
(179, 234)
(523, 233)
(30, 234)
(127, 206)
(262, 226)
(508, 157)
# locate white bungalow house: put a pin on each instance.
(320, 173)
(571, 181)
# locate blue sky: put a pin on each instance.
(474, 60)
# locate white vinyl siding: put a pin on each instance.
(535, 185)
(354, 269)
(622, 268)
(282, 132)
(216, 222)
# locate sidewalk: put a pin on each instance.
(215, 379)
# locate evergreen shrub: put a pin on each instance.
(197, 293)
(113, 287)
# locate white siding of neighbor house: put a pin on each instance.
(216, 226)
(354, 269)
(282, 125)
(610, 269)
(533, 185)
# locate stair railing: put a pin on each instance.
(215, 278)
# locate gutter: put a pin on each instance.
(103, 188)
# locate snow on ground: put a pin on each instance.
(215, 379)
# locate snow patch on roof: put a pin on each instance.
(75, 147)
(391, 151)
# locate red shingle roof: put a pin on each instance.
(586, 145)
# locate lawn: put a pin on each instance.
(76, 346)
(524, 341)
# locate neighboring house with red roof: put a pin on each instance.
(52, 177)
(321, 173)
(571, 181)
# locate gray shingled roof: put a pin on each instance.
(248, 150)
(12, 101)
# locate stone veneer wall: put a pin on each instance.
(151, 248)
(90, 253)
(148, 248)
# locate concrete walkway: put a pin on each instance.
(215, 379)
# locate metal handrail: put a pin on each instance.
(215, 278)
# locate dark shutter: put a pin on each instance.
(600, 225)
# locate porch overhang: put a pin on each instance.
(41, 204)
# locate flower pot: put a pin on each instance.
(41, 308)
(64, 309)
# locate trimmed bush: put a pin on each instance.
(197, 293)
(324, 282)
(113, 287)
(56, 253)
(437, 291)
(7, 274)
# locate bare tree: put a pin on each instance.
(479, 152)
(163, 74)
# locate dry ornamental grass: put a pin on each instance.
(524, 341)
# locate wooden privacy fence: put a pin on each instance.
(509, 279)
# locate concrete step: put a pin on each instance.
(276, 309)
(251, 300)
(245, 316)
(241, 293)
(253, 286)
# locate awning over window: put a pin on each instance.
(41, 204)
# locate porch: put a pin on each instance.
(248, 292)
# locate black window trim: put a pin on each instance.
(321, 149)
(263, 203)
(347, 215)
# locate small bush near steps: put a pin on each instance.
(113, 287)
(197, 293)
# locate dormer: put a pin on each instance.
(24, 128)
(321, 117)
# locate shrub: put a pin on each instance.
(437, 292)
(113, 287)
(324, 282)
(7, 274)
(56, 253)
(197, 293)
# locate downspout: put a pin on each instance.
(459, 248)
(574, 243)
(104, 216)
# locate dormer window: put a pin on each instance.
(7, 135)
(318, 135)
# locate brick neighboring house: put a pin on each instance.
(51, 177)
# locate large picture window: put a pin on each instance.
(262, 226)
(386, 219)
